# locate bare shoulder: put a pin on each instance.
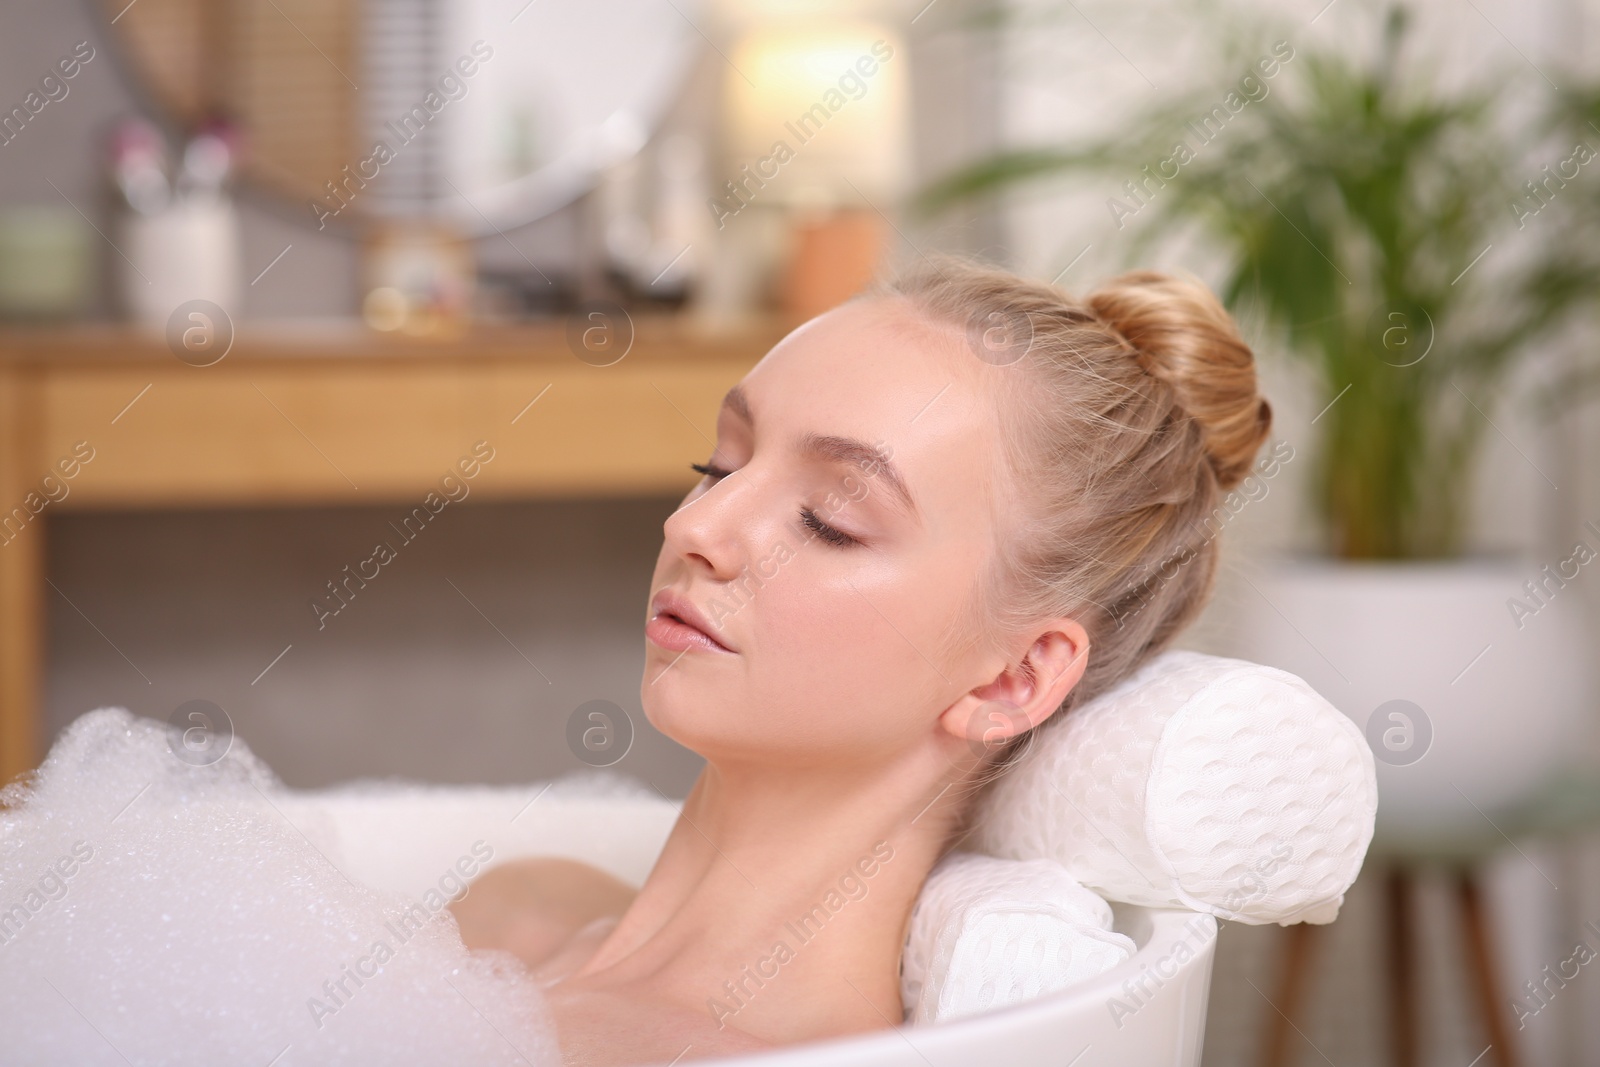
(531, 907)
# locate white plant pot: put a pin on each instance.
(1504, 701)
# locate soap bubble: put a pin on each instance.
(154, 910)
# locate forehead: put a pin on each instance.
(877, 360)
(879, 371)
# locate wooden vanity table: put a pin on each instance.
(325, 414)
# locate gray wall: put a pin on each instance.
(421, 675)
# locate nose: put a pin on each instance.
(713, 528)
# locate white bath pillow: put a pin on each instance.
(989, 932)
(1197, 782)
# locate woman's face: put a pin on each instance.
(836, 558)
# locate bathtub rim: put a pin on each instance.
(1168, 928)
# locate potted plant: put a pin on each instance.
(1360, 210)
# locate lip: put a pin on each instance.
(678, 625)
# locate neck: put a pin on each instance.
(781, 900)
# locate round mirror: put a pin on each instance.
(485, 113)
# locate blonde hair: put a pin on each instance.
(1129, 413)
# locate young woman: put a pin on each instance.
(936, 517)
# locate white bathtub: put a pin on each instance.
(1149, 1012)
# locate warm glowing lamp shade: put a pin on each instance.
(816, 114)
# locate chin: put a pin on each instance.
(692, 716)
(672, 706)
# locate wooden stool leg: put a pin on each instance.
(1297, 957)
(1480, 958)
(1403, 1019)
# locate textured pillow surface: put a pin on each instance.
(1198, 782)
(990, 932)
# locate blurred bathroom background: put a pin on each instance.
(279, 266)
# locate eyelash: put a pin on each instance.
(808, 518)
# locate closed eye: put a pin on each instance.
(808, 518)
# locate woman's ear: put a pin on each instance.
(1025, 693)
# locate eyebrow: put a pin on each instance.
(839, 449)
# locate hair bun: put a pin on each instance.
(1181, 334)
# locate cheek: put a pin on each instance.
(841, 649)
(832, 642)
(805, 624)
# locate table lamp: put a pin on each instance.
(815, 154)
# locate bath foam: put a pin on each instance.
(152, 911)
